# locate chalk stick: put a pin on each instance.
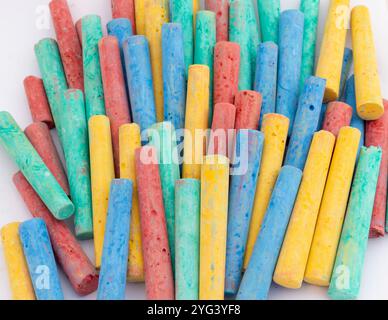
(174, 75)
(310, 9)
(306, 122)
(139, 78)
(196, 123)
(332, 48)
(140, 8)
(113, 273)
(376, 135)
(205, 40)
(94, 91)
(68, 43)
(157, 259)
(20, 149)
(214, 215)
(226, 71)
(275, 128)
(269, 13)
(249, 147)
(102, 173)
(257, 278)
(72, 259)
(368, 88)
(40, 260)
(130, 140)
(78, 27)
(187, 211)
(338, 115)
(221, 9)
(290, 58)
(76, 150)
(124, 9)
(18, 275)
(346, 66)
(115, 94)
(163, 139)
(39, 135)
(37, 101)
(332, 210)
(266, 77)
(293, 256)
(248, 107)
(196, 8)
(354, 238)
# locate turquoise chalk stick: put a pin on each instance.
(32, 166)
(269, 12)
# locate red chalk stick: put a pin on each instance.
(124, 9)
(68, 43)
(248, 107)
(226, 71)
(69, 254)
(338, 115)
(37, 101)
(221, 9)
(39, 135)
(78, 27)
(157, 259)
(376, 135)
(116, 99)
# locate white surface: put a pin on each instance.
(24, 22)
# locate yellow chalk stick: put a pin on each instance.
(332, 48)
(18, 274)
(367, 81)
(275, 129)
(197, 113)
(102, 173)
(140, 9)
(294, 254)
(331, 214)
(130, 140)
(196, 8)
(156, 15)
(214, 215)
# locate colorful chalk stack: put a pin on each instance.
(166, 169)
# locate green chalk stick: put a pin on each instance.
(205, 41)
(32, 166)
(269, 13)
(76, 150)
(346, 278)
(94, 92)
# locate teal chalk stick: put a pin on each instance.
(94, 92)
(32, 166)
(269, 13)
(76, 150)
(347, 272)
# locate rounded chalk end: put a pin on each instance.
(316, 280)
(286, 281)
(370, 111)
(65, 212)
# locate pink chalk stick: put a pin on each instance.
(248, 107)
(338, 115)
(221, 9)
(124, 9)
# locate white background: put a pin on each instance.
(22, 24)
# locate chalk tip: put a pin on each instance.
(284, 280)
(66, 211)
(330, 95)
(84, 235)
(316, 280)
(370, 111)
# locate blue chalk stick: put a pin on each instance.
(40, 260)
(113, 273)
(174, 75)
(257, 279)
(306, 122)
(266, 77)
(249, 146)
(291, 26)
(346, 65)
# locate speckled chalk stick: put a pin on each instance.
(69, 253)
(37, 101)
(248, 107)
(76, 150)
(306, 122)
(140, 84)
(257, 279)
(113, 273)
(174, 75)
(140, 8)
(354, 238)
(249, 147)
(187, 221)
(40, 260)
(266, 77)
(31, 164)
(68, 43)
(221, 9)
(269, 13)
(124, 9)
(157, 259)
(346, 66)
(94, 91)
(338, 115)
(290, 58)
(39, 135)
